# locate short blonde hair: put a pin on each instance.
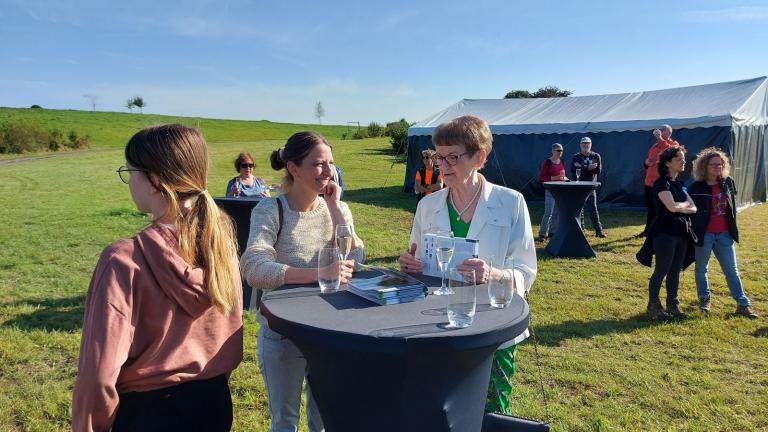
(469, 131)
(702, 160)
(427, 153)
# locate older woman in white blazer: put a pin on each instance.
(471, 207)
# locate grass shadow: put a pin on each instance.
(555, 334)
(62, 314)
(761, 332)
(387, 197)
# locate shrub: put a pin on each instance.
(36, 106)
(360, 134)
(398, 135)
(375, 130)
(56, 140)
(78, 142)
(22, 137)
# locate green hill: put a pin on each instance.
(112, 129)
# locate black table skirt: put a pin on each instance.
(569, 240)
(396, 367)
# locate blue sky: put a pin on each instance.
(365, 61)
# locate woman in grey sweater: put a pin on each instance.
(286, 253)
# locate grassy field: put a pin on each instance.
(605, 367)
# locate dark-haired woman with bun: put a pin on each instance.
(668, 237)
(287, 254)
(163, 325)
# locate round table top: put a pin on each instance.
(345, 320)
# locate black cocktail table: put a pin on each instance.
(569, 240)
(396, 367)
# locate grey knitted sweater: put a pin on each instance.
(266, 258)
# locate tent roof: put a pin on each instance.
(733, 103)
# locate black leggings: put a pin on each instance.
(204, 405)
(670, 251)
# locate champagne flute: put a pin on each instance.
(578, 174)
(444, 254)
(344, 240)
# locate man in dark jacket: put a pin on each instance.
(588, 165)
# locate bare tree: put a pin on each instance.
(93, 99)
(129, 104)
(319, 111)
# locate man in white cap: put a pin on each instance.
(589, 163)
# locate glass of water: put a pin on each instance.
(501, 287)
(328, 269)
(443, 253)
(462, 301)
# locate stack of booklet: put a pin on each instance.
(391, 287)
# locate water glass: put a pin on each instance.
(328, 269)
(501, 288)
(462, 300)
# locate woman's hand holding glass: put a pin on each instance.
(408, 261)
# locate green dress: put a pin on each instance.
(503, 367)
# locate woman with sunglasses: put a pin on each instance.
(472, 207)
(552, 169)
(246, 184)
(163, 324)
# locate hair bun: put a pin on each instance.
(276, 161)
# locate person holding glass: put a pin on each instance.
(246, 184)
(472, 207)
(163, 322)
(287, 234)
(669, 235)
(552, 169)
(714, 194)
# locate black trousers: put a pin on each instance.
(650, 204)
(590, 205)
(670, 252)
(204, 405)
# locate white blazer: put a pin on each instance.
(501, 225)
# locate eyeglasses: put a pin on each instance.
(125, 173)
(246, 165)
(451, 159)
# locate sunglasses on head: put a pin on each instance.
(246, 165)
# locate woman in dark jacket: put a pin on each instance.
(668, 236)
(714, 194)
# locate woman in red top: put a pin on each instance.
(715, 226)
(552, 169)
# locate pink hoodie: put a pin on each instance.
(148, 324)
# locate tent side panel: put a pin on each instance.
(748, 159)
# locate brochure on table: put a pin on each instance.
(463, 248)
(391, 287)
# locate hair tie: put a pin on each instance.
(280, 153)
(202, 192)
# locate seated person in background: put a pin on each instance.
(245, 184)
(428, 179)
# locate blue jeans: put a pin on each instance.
(725, 252)
(550, 215)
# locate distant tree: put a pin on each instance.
(36, 106)
(517, 94)
(138, 102)
(544, 92)
(93, 99)
(129, 104)
(551, 92)
(319, 111)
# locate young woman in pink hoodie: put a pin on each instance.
(163, 317)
